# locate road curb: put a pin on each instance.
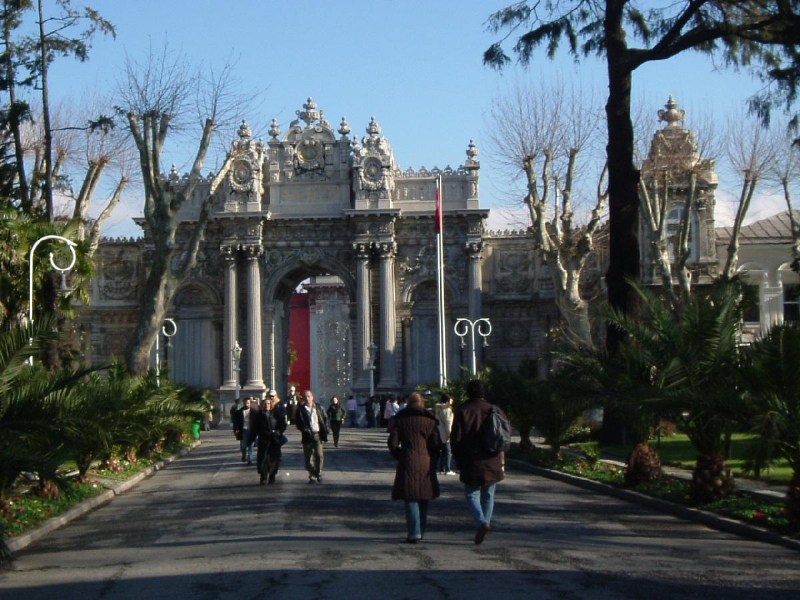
(23, 540)
(685, 512)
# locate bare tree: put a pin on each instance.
(787, 174)
(541, 133)
(157, 97)
(90, 153)
(752, 152)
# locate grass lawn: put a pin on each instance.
(677, 451)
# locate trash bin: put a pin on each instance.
(196, 425)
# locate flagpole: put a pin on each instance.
(440, 284)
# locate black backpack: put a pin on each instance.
(495, 433)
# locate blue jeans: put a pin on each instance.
(480, 501)
(416, 518)
(246, 445)
(445, 458)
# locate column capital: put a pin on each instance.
(228, 251)
(362, 250)
(474, 249)
(386, 250)
(253, 252)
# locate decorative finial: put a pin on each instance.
(344, 128)
(672, 116)
(373, 129)
(472, 151)
(244, 131)
(274, 129)
(309, 114)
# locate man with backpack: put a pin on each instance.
(479, 453)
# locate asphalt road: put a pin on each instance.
(204, 529)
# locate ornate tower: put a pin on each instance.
(675, 175)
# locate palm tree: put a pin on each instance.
(555, 408)
(511, 390)
(703, 383)
(772, 380)
(629, 382)
(680, 363)
(33, 406)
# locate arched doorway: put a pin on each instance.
(309, 318)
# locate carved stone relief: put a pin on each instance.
(118, 279)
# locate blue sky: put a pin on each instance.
(416, 65)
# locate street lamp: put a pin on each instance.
(373, 349)
(464, 327)
(168, 333)
(71, 245)
(236, 353)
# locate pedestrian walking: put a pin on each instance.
(243, 423)
(236, 419)
(444, 417)
(391, 409)
(480, 470)
(312, 422)
(336, 414)
(352, 410)
(368, 411)
(269, 427)
(414, 442)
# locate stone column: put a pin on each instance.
(363, 311)
(230, 325)
(255, 379)
(474, 280)
(388, 342)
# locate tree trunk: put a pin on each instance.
(623, 186)
(48, 134)
(152, 310)
(711, 479)
(623, 194)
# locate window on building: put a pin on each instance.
(791, 303)
(673, 230)
(751, 306)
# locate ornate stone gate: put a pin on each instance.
(315, 201)
(310, 202)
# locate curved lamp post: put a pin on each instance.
(464, 327)
(168, 332)
(71, 245)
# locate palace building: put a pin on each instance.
(318, 207)
(319, 261)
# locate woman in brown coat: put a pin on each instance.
(415, 443)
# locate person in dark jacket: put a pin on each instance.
(480, 471)
(269, 427)
(312, 422)
(336, 414)
(414, 442)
